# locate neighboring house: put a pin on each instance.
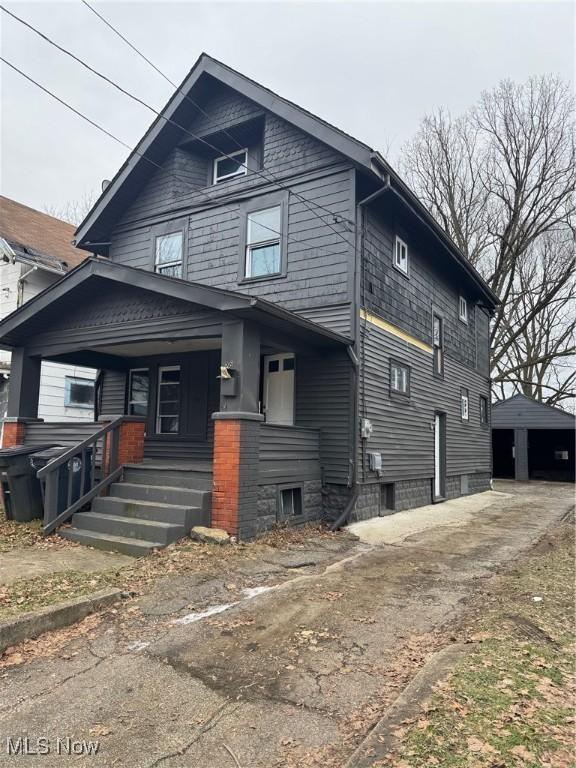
(532, 441)
(35, 252)
(289, 325)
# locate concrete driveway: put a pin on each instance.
(275, 663)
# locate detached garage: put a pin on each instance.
(532, 441)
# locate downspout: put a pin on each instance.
(358, 364)
(20, 286)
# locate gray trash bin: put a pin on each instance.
(20, 487)
(41, 458)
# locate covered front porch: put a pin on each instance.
(189, 375)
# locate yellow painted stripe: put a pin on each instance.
(395, 331)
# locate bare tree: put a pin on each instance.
(72, 211)
(501, 180)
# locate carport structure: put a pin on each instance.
(532, 441)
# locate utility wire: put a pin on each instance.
(150, 108)
(268, 175)
(211, 200)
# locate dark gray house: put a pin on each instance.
(283, 331)
(532, 441)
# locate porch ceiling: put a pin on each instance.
(146, 348)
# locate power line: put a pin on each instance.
(140, 154)
(270, 176)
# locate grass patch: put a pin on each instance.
(509, 703)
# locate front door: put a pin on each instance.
(279, 388)
(439, 456)
(168, 401)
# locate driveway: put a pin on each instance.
(281, 662)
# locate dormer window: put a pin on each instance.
(401, 255)
(229, 166)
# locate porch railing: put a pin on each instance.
(98, 455)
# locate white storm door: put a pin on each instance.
(279, 388)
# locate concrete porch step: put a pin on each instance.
(176, 514)
(129, 527)
(144, 474)
(164, 494)
(133, 547)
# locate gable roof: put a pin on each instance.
(38, 237)
(179, 109)
(13, 326)
(522, 412)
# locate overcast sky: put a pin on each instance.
(373, 69)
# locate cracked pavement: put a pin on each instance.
(291, 676)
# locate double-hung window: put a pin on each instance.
(464, 404)
(438, 344)
(230, 166)
(399, 378)
(168, 255)
(263, 242)
(168, 415)
(138, 389)
(401, 255)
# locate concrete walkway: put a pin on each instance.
(397, 527)
(28, 562)
(285, 677)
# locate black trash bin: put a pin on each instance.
(41, 458)
(21, 489)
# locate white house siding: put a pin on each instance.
(51, 403)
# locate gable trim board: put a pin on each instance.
(395, 331)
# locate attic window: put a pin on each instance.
(168, 259)
(401, 255)
(230, 166)
(463, 309)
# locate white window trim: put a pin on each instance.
(81, 381)
(165, 264)
(241, 171)
(463, 305)
(161, 370)
(398, 242)
(261, 244)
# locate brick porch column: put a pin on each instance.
(235, 472)
(130, 441)
(13, 432)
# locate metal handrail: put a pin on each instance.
(110, 437)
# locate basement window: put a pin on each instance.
(78, 393)
(291, 502)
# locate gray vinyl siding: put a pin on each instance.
(408, 302)
(520, 412)
(113, 385)
(324, 399)
(288, 454)
(402, 428)
(66, 433)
